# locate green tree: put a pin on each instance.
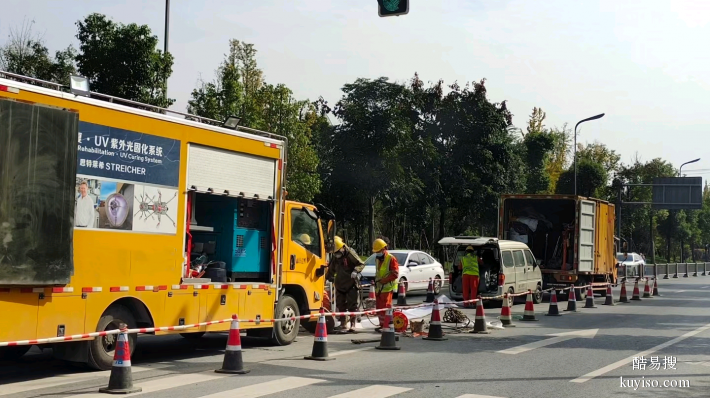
(123, 61)
(557, 161)
(591, 178)
(25, 54)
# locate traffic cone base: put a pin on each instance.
(609, 298)
(505, 316)
(553, 310)
(529, 313)
(655, 287)
(590, 298)
(647, 289)
(388, 340)
(233, 362)
(623, 298)
(435, 331)
(479, 325)
(320, 341)
(121, 380)
(572, 301)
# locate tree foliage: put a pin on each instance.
(123, 61)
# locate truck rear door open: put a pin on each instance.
(586, 247)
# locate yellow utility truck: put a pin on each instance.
(116, 212)
(572, 237)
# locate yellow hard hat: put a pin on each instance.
(338, 243)
(378, 245)
(305, 238)
(469, 248)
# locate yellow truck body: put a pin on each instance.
(65, 145)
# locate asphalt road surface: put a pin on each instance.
(593, 359)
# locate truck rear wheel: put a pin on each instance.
(13, 353)
(285, 332)
(101, 349)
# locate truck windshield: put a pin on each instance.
(305, 231)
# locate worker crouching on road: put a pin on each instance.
(344, 271)
(386, 278)
(469, 275)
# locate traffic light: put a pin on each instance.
(392, 8)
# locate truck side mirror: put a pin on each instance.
(320, 271)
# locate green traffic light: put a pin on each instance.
(392, 8)
(391, 5)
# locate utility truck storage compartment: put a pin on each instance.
(240, 235)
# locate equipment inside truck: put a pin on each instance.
(546, 226)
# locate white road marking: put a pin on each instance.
(346, 352)
(587, 334)
(705, 287)
(375, 391)
(162, 383)
(55, 381)
(679, 291)
(267, 388)
(650, 351)
(477, 396)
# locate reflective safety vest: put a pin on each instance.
(383, 269)
(470, 264)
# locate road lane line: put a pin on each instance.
(163, 383)
(374, 391)
(263, 389)
(650, 351)
(477, 396)
(55, 381)
(346, 352)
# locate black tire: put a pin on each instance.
(285, 332)
(193, 335)
(438, 283)
(101, 349)
(511, 298)
(537, 295)
(13, 353)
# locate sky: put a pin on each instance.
(644, 63)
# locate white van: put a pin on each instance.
(508, 266)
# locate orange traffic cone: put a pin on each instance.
(233, 362)
(430, 292)
(636, 295)
(388, 340)
(121, 380)
(435, 331)
(590, 298)
(371, 294)
(623, 298)
(401, 295)
(506, 317)
(572, 301)
(655, 287)
(647, 289)
(609, 298)
(479, 325)
(553, 311)
(529, 313)
(320, 341)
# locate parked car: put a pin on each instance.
(415, 269)
(633, 263)
(508, 266)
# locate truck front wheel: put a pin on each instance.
(285, 332)
(101, 349)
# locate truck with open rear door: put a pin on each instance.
(572, 236)
(116, 212)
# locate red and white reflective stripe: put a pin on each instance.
(270, 145)
(62, 289)
(91, 289)
(201, 287)
(119, 288)
(30, 290)
(240, 287)
(179, 287)
(265, 287)
(9, 89)
(146, 288)
(221, 286)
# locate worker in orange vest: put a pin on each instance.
(470, 274)
(386, 278)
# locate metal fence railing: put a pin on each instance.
(665, 271)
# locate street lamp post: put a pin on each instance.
(680, 174)
(599, 116)
(165, 51)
